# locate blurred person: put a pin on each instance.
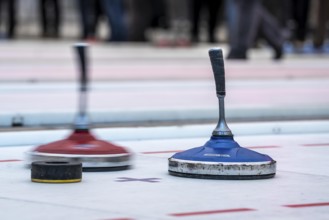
(213, 8)
(145, 14)
(300, 12)
(90, 12)
(114, 11)
(140, 18)
(251, 19)
(11, 16)
(322, 23)
(280, 9)
(177, 32)
(50, 17)
(232, 21)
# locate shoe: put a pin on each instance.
(237, 55)
(278, 53)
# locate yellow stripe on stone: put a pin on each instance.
(55, 181)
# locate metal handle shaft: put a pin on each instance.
(82, 122)
(217, 63)
(81, 49)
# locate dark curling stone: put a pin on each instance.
(56, 172)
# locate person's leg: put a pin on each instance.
(232, 22)
(11, 18)
(286, 18)
(322, 20)
(52, 15)
(86, 14)
(196, 7)
(83, 20)
(140, 12)
(252, 29)
(114, 12)
(56, 18)
(234, 10)
(159, 14)
(271, 31)
(247, 28)
(43, 17)
(214, 7)
(302, 9)
(96, 12)
(1, 2)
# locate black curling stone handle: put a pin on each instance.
(81, 49)
(217, 63)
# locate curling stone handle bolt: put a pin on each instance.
(82, 121)
(222, 129)
(217, 63)
(81, 49)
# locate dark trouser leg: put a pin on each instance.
(1, 2)
(232, 22)
(213, 8)
(43, 16)
(114, 12)
(83, 6)
(255, 16)
(159, 14)
(96, 11)
(322, 20)
(141, 16)
(11, 18)
(301, 8)
(87, 16)
(56, 17)
(50, 10)
(247, 25)
(83, 18)
(271, 31)
(195, 17)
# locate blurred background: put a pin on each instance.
(149, 61)
(288, 25)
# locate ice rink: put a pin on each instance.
(156, 102)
